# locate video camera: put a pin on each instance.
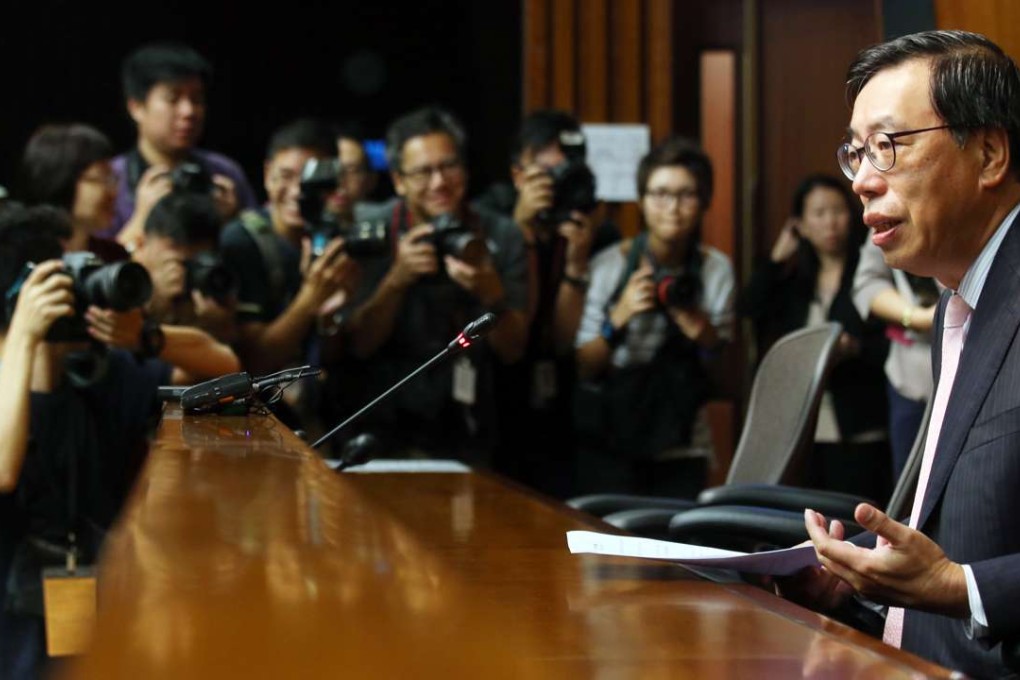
(120, 286)
(207, 274)
(573, 182)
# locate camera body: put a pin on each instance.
(573, 190)
(191, 178)
(207, 274)
(452, 236)
(319, 178)
(120, 286)
(677, 291)
(367, 239)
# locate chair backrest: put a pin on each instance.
(779, 427)
(902, 499)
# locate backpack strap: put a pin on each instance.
(261, 231)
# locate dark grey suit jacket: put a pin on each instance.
(972, 504)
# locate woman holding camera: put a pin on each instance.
(807, 280)
(68, 166)
(659, 308)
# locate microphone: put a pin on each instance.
(473, 331)
(215, 395)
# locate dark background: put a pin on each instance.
(364, 62)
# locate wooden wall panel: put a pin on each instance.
(806, 47)
(593, 40)
(564, 41)
(659, 60)
(718, 137)
(536, 76)
(998, 19)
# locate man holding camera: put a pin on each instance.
(553, 198)
(447, 265)
(165, 88)
(283, 291)
(73, 415)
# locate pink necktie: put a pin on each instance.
(957, 312)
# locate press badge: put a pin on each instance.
(543, 384)
(465, 378)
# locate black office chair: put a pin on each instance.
(778, 429)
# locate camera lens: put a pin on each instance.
(120, 286)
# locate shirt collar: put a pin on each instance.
(973, 281)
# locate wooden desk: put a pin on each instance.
(242, 555)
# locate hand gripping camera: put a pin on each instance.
(120, 286)
(573, 182)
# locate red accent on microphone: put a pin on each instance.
(463, 342)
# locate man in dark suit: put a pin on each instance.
(933, 150)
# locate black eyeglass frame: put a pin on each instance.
(842, 153)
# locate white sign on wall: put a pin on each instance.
(613, 155)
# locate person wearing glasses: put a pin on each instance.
(68, 166)
(933, 150)
(659, 309)
(282, 290)
(807, 280)
(356, 179)
(448, 264)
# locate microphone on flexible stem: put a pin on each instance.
(467, 337)
(217, 394)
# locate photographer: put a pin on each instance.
(553, 203)
(282, 290)
(447, 265)
(50, 415)
(356, 179)
(658, 311)
(165, 89)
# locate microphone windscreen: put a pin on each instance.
(480, 326)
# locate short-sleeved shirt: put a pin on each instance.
(264, 288)
(432, 313)
(129, 167)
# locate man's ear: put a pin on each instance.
(995, 157)
(398, 183)
(136, 109)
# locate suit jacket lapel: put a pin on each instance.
(993, 326)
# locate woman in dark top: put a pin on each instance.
(807, 280)
(68, 166)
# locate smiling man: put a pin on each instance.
(933, 150)
(435, 280)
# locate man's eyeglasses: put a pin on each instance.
(448, 169)
(666, 199)
(879, 147)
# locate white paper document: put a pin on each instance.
(613, 154)
(774, 562)
(410, 465)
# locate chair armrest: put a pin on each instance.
(744, 528)
(645, 522)
(602, 504)
(830, 503)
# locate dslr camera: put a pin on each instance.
(451, 236)
(120, 286)
(367, 239)
(319, 178)
(573, 182)
(191, 178)
(678, 291)
(207, 274)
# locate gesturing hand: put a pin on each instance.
(906, 568)
(637, 296)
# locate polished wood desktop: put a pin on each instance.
(241, 554)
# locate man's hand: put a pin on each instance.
(578, 233)
(817, 587)
(786, 243)
(416, 257)
(482, 281)
(215, 318)
(332, 271)
(117, 329)
(534, 194)
(906, 568)
(225, 195)
(637, 296)
(153, 185)
(45, 296)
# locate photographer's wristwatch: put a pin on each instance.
(151, 340)
(611, 334)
